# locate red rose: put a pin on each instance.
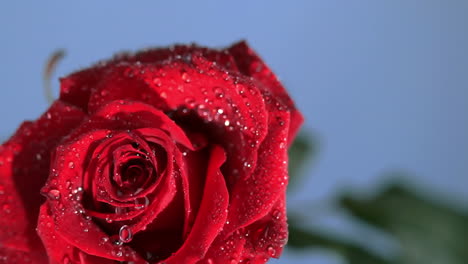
(172, 155)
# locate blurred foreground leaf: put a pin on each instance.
(300, 238)
(428, 232)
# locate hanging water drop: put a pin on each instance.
(125, 234)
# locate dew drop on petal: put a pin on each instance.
(6, 208)
(218, 92)
(125, 234)
(271, 251)
(54, 194)
(66, 260)
(117, 253)
(186, 77)
(276, 214)
(157, 82)
(141, 203)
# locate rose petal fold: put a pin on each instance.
(24, 167)
(211, 216)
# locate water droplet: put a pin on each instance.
(148, 256)
(190, 102)
(117, 253)
(77, 190)
(276, 214)
(38, 156)
(141, 203)
(54, 194)
(71, 165)
(157, 82)
(68, 184)
(226, 123)
(66, 260)
(186, 77)
(271, 251)
(6, 208)
(218, 92)
(125, 234)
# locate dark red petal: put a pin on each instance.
(59, 251)
(211, 216)
(226, 249)
(250, 64)
(24, 167)
(129, 115)
(9, 256)
(227, 105)
(77, 87)
(82, 233)
(193, 171)
(268, 235)
(254, 197)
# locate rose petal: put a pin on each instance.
(77, 87)
(226, 249)
(125, 115)
(211, 216)
(59, 251)
(9, 256)
(254, 197)
(250, 64)
(193, 171)
(24, 167)
(268, 235)
(228, 106)
(80, 232)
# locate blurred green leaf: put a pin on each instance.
(300, 238)
(428, 232)
(303, 149)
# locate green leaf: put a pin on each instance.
(300, 238)
(428, 232)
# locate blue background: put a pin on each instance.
(383, 84)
